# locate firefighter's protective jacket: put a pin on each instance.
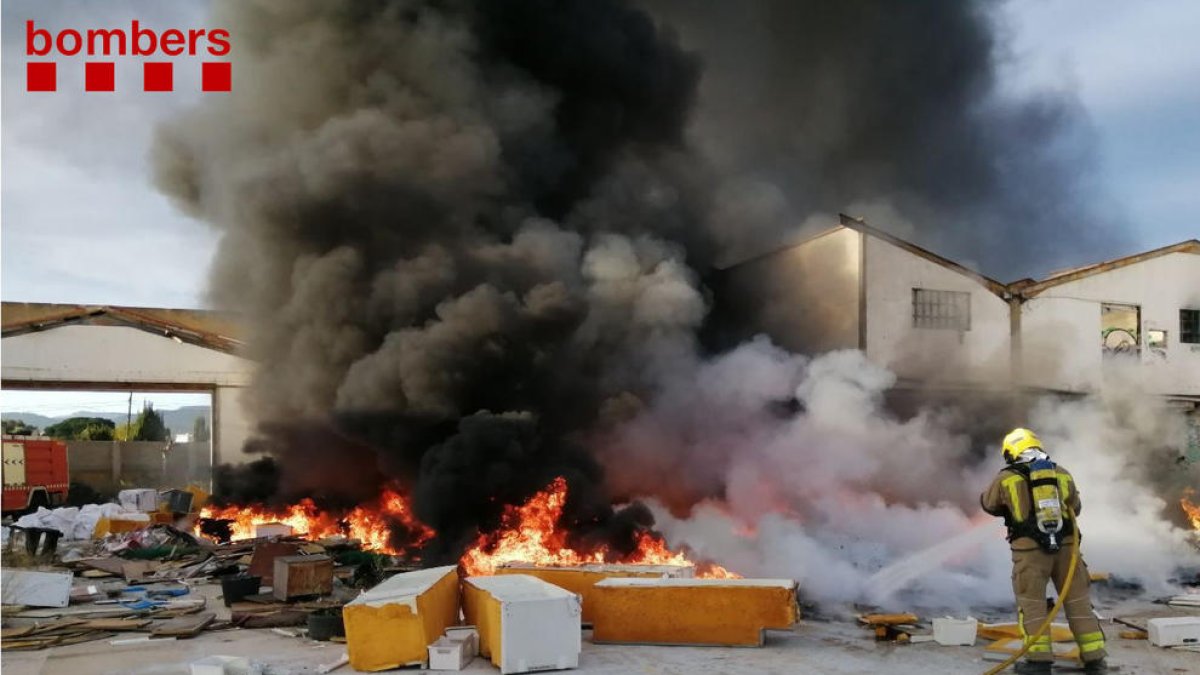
(1009, 497)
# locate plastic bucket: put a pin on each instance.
(236, 587)
(324, 624)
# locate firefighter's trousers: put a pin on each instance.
(1032, 569)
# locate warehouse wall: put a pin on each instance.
(806, 297)
(1061, 328)
(977, 355)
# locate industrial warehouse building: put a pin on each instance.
(79, 348)
(935, 322)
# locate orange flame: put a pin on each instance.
(1191, 509)
(532, 535)
(372, 524)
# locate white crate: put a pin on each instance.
(539, 624)
(447, 654)
(272, 530)
(950, 631)
(468, 635)
(140, 499)
(1174, 631)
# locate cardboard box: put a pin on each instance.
(35, 589)
(272, 530)
(525, 624)
(393, 624)
(141, 499)
(296, 576)
(581, 578)
(722, 612)
(1174, 631)
(447, 654)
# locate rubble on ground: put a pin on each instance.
(122, 576)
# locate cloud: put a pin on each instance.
(81, 221)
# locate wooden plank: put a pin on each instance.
(136, 570)
(184, 627)
(55, 625)
(89, 636)
(888, 619)
(30, 644)
(115, 624)
(9, 633)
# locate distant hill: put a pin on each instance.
(179, 421)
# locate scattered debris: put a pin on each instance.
(1059, 632)
(1000, 650)
(35, 589)
(268, 530)
(1185, 600)
(330, 667)
(891, 627)
(220, 665)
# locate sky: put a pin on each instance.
(80, 221)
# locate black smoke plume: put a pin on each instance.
(468, 234)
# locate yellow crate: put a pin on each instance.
(582, 578)
(724, 612)
(392, 624)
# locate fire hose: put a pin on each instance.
(1062, 596)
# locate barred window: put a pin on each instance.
(1189, 326)
(941, 309)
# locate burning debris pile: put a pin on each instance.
(531, 533)
(472, 241)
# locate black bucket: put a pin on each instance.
(236, 587)
(324, 624)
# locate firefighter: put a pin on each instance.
(1037, 498)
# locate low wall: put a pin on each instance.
(108, 466)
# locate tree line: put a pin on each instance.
(147, 426)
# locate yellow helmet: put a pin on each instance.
(1017, 441)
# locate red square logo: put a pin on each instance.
(158, 76)
(215, 76)
(41, 76)
(98, 76)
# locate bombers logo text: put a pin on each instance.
(99, 75)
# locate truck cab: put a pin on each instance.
(35, 473)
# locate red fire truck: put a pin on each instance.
(35, 472)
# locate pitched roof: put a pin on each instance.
(205, 328)
(860, 225)
(1074, 274)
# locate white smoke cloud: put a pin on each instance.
(859, 505)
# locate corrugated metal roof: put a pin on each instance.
(214, 330)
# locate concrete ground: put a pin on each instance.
(816, 646)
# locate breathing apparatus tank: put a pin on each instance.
(1047, 503)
